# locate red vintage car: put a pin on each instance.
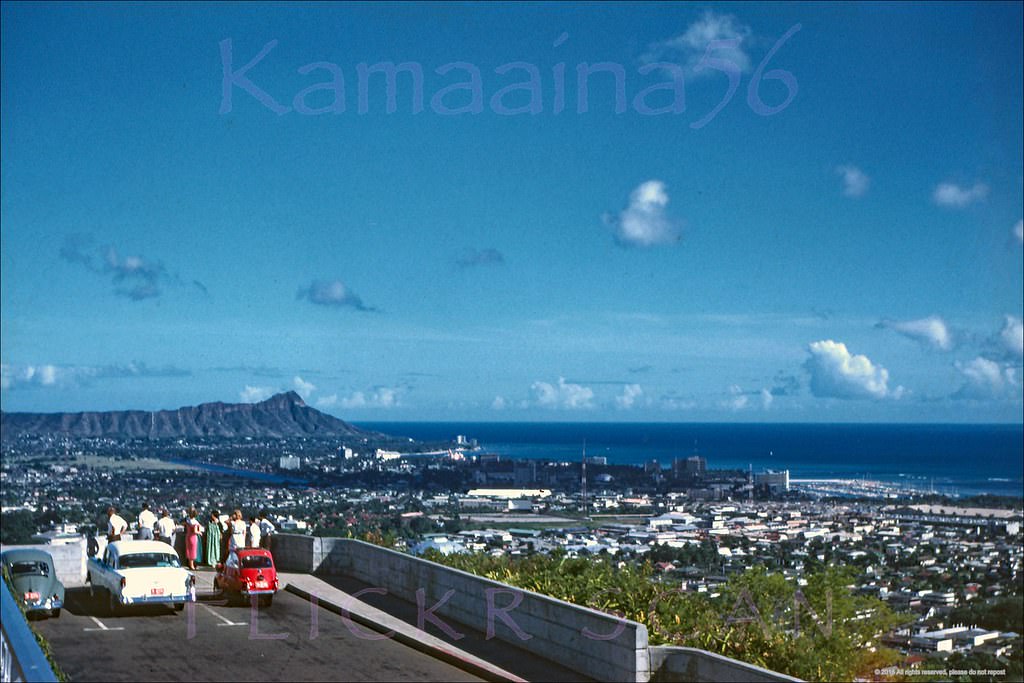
(247, 572)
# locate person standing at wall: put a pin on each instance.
(267, 529)
(193, 530)
(213, 535)
(147, 520)
(165, 528)
(115, 525)
(254, 532)
(237, 528)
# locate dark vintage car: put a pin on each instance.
(34, 580)
(248, 573)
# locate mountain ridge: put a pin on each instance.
(279, 416)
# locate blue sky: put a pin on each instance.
(854, 256)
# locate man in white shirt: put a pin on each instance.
(147, 520)
(165, 528)
(267, 528)
(254, 532)
(115, 525)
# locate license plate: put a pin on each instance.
(261, 584)
(31, 596)
(156, 591)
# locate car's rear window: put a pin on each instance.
(39, 568)
(141, 560)
(257, 562)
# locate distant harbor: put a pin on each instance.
(953, 460)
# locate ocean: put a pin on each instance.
(954, 459)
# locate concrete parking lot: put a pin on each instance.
(209, 640)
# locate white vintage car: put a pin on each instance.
(140, 573)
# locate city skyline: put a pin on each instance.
(841, 241)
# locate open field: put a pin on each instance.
(102, 462)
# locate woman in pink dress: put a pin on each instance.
(193, 529)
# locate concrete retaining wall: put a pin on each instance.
(677, 664)
(69, 560)
(592, 643)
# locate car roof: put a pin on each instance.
(26, 555)
(133, 547)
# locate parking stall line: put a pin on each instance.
(102, 626)
(227, 622)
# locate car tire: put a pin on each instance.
(178, 606)
(112, 604)
(266, 600)
(55, 613)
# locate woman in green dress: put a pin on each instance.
(213, 539)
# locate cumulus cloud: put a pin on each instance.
(134, 277)
(855, 181)
(670, 401)
(255, 394)
(480, 257)
(332, 293)
(688, 47)
(1018, 232)
(986, 379)
(954, 196)
(931, 332)
(562, 395)
(302, 387)
(645, 222)
(327, 401)
(737, 399)
(631, 393)
(48, 375)
(836, 373)
(1011, 337)
(378, 397)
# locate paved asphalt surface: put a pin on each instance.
(212, 641)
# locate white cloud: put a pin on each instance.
(1018, 232)
(766, 399)
(499, 403)
(689, 47)
(332, 293)
(669, 402)
(631, 393)
(327, 401)
(955, 196)
(379, 397)
(255, 394)
(645, 223)
(30, 375)
(738, 400)
(931, 331)
(855, 181)
(562, 395)
(302, 387)
(48, 375)
(836, 373)
(986, 379)
(1012, 336)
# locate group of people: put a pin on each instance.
(222, 534)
